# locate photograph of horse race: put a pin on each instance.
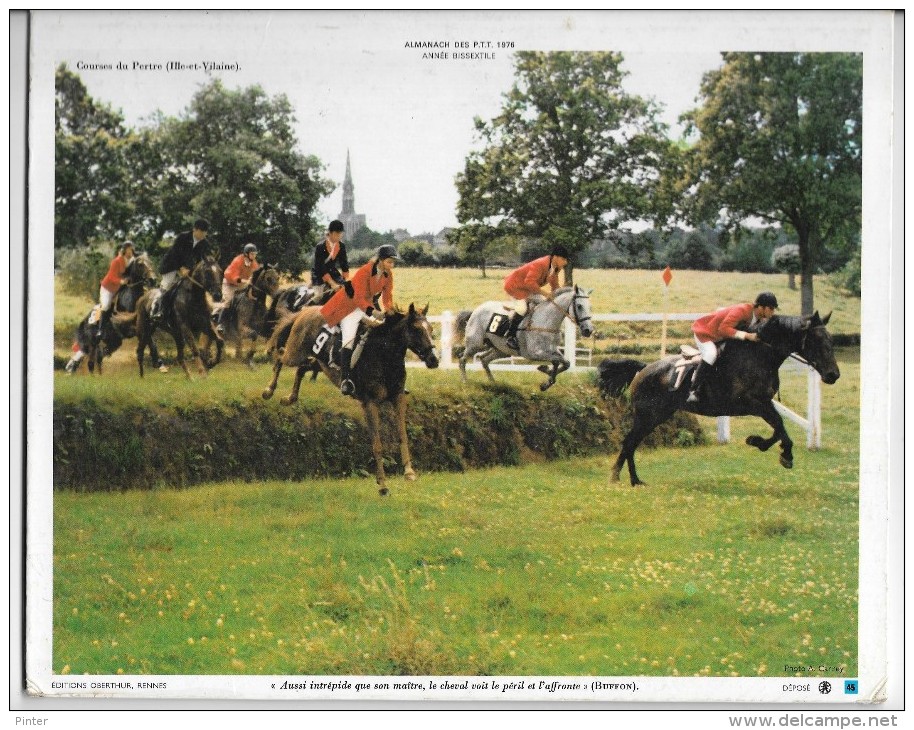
(452, 491)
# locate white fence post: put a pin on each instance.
(447, 339)
(723, 429)
(571, 344)
(814, 410)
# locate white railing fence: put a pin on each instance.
(812, 424)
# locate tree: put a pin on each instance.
(231, 158)
(93, 186)
(570, 156)
(780, 140)
(787, 258)
(480, 244)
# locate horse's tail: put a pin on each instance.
(617, 375)
(460, 325)
(277, 342)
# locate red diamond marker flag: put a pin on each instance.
(667, 276)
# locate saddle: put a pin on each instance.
(688, 360)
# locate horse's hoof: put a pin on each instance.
(163, 368)
(756, 441)
(287, 401)
(545, 386)
(614, 477)
(638, 483)
(267, 394)
(410, 476)
(383, 491)
(786, 463)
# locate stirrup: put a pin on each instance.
(693, 397)
(511, 341)
(347, 387)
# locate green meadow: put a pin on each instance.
(726, 564)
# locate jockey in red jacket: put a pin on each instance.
(353, 302)
(528, 281)
(727, 323)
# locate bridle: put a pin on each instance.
(566, 313)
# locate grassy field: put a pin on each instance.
(725, 565)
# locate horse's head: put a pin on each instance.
(207, 274)
(817, 348)
(266, 279)
(580, 310)
(419, 336)
(805, 336)
(140, 271)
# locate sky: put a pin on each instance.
(356, 83)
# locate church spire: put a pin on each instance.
(348, 193)
(352, 221)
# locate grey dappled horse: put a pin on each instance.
(538, 335)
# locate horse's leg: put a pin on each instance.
(296, 386)
(558, 366)
(405, 458)
(769, 414)
(373, 419)
(179, 346)
(141, 348)
(646, 419)
(488, 357)
(271, 388)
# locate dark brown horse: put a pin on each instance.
(379, 375)
(743, 382)
(97, 340)
(186, 316)
(245, 317)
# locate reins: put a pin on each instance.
(565, 315)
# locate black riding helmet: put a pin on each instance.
(250, 248)
(766, 299)
(387, 252)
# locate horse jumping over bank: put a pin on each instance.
(743, 383)
(379, 374)
(538, 335)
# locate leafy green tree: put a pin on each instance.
(365, 237)
(571, 155)
(231, 157)
(787, 258)
(781, 140)
(481, 244)
(93, 185)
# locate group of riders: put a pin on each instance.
(365, 296)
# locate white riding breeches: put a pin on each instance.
(105, 298)
(708, 351)
(168, 279)
(349, 326)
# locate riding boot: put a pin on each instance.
(699, 379)
(347, 387)
(102, 321)
(220, 328)
(511, 337)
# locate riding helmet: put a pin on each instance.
(336, 226)
(560, 250)
(250, 248)
(766, 299)
(387, 252)
(127, 244)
